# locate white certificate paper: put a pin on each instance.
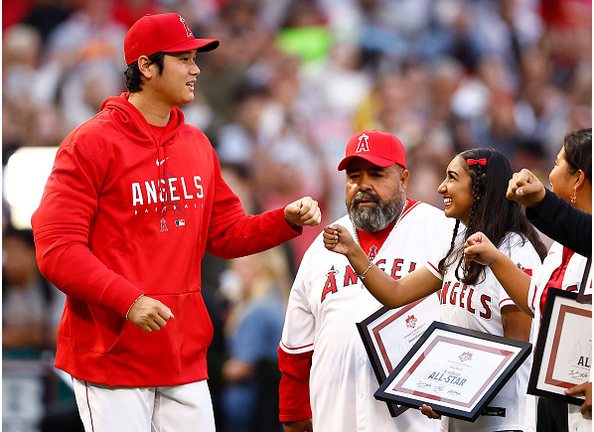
(563, 353)
(455, 371)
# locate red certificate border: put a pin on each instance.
(541, 363)
(376, 330)
(564, 310)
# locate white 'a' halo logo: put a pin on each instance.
(186, 26)
(363, 144)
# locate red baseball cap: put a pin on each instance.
(167, 32)
(380, 148)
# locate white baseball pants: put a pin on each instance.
(182, 408)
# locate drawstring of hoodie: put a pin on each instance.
(162, 176)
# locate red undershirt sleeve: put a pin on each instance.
(294, 402)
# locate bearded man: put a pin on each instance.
(328, 380)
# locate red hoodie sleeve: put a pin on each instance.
(61, 226)
(232, 233)
(294, 402)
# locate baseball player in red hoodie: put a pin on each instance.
(134, 200)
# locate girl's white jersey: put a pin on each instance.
(478, 308)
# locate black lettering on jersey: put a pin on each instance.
(469, 302)
(486, 302)
(380, 263)
(350, 278)
(330, 286)
(462, 293)
(396, 268)
(444, 292)
(454, 293)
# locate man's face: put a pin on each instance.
(175, 84)
(375, 196)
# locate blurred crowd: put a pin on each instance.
(290, 83)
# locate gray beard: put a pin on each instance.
(374, 219)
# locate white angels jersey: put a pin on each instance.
(478, 307)
(326, 302)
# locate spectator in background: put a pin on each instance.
(31, 306)
(253, 331)
(31, 310)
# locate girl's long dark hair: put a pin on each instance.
(491, 212)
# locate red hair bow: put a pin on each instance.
(481, 161)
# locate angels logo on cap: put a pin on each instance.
(378, 147)
(363, 144)
(167, 32)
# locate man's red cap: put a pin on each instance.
(167, 32)
(380, 148)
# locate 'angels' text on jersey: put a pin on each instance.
(174, 188)
(350, 278)
(464, 296)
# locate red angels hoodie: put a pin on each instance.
(123, 215)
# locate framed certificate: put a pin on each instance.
(454, 370)
(388, 334)
(563, 352)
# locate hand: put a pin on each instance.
(298, 426)
(428, 411)
(526, 189)
(303, 212)
(479, 248)
(149, 314)
(338, 239)
(585, 388)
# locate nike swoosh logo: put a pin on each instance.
(162, 162)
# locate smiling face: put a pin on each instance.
(375, 195)
(561, 178)
(175, 85)
(456, 190)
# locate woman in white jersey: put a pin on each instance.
(470, 297)
(571, 179)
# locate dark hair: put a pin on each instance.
(491, 212)
(133, 75)
(578, 151)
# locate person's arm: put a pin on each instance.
(62, 241)
(525, 188)
(551, 214)
(480, 249)
(295, 351)
(516, 323)
(232, 233)
(294, 405)
(303, 212)
(390, 292)
(564, 223)
(298, 426)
